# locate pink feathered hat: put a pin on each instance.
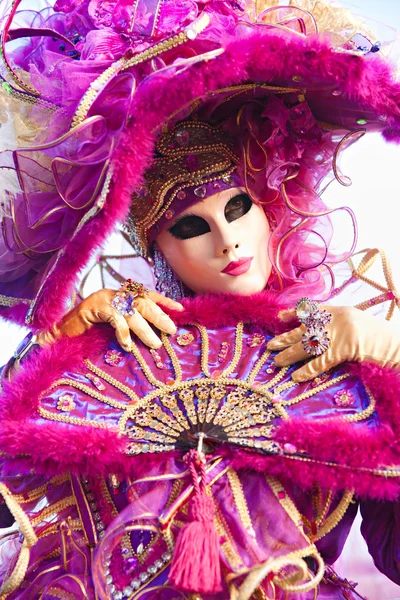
(88, 85)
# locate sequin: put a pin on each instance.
(185, 339)
(157, 359)
(361, 121)
(96, 381)
(66, 403)
(169, 214)
(223, 352)
(320, 379)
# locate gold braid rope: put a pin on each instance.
(288, 584)
(125, 63)
(367, 261)
(30, 539)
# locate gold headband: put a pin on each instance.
(192, 153)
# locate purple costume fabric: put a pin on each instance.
(97, 444)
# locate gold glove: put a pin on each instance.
(97, 308)
(355, 336)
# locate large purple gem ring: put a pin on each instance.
(124, 303)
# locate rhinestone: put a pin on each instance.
(140, 548)
(135, 584)
(109, 580)
(96, 516)
(107, 572)
(158, 564)
(117, 595)
(304, 308)
(112, 588)
(382, 118)
(336, 93)
(297, 78)
(93, 505)
(124, 305)
(101, 534)
(181, 195)
(90, 497)
(290, 448)
(6, 87)
(191, 34)
(143, 577)
(145, 448)
(152, 570)
(182, 137)
(166, 556)
(95, 85)
(99, 526)
(200, 191)
(361, 121)
(127, 591)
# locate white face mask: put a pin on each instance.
(219, 244)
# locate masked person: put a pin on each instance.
(221, 451)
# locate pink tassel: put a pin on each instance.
(196, 565)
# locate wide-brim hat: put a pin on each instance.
(91, 85)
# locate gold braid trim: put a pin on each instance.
(125, 63)
(288, 584)
(336, 515)
(30, 539)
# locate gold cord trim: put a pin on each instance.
(30, 539)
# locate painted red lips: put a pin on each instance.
(238, 267)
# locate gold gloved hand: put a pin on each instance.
(355, 336)
(97, 308)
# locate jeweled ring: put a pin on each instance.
(315, 339)
(124, 299)
(138, 290)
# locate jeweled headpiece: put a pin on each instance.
(193, 160)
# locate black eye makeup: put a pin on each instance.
(237, 206)
(191, 226)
